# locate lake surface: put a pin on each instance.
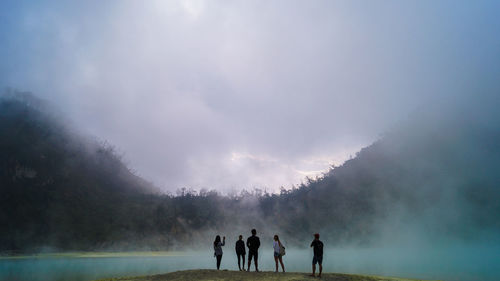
(459, 263)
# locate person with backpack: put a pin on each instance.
(218, 249)
(279, 252)
(240, 252)
(253, 244)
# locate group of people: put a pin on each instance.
(253, 244)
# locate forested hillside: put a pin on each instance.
(63, 191)
(59, 189)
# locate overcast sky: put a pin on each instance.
(242, 94)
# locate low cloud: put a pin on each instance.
(182, 87)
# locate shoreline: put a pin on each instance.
(223, 275)
(102, 254)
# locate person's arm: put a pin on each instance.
(258, 243)
(223, 241)
(248, 242)
(312, 243)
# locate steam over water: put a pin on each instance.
(223, 96)
(464, 262)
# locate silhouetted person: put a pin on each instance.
(240, 252)
(318, 254)
(253, 244)
(218, 249)
(279, 251)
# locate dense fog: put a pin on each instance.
(157, 126)
(232, 96)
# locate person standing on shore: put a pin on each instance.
(218, 249)
(279, 251)
(253, 244)
(240, 252)
(318, 254)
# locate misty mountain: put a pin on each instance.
(58, 188)
(55, 185)
(431, 177)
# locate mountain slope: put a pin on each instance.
(433, 178)
(57, 189)
(436, 176)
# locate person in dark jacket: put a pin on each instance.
(240, 252)
(318, 254)
(218, 249)
(253, 244)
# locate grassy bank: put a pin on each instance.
(214, 275)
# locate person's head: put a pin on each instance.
(241, 237)
(217, 239)
(254, 232)
(276, 238)
(316, 236)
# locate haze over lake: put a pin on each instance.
(133, 133)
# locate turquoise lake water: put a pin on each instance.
(465, 263)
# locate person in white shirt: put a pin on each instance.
(279, 250)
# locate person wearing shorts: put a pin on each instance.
(278, 254)
(318, 255)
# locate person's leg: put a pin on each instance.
(282, 265)
(239, 266)
(314, 266)
(255, 259)
(276, 262)
(243, 263)
(249, 260)
(320, 262)
(219, 259)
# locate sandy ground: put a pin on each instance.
(214, 275)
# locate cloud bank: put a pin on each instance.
(242, 94)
